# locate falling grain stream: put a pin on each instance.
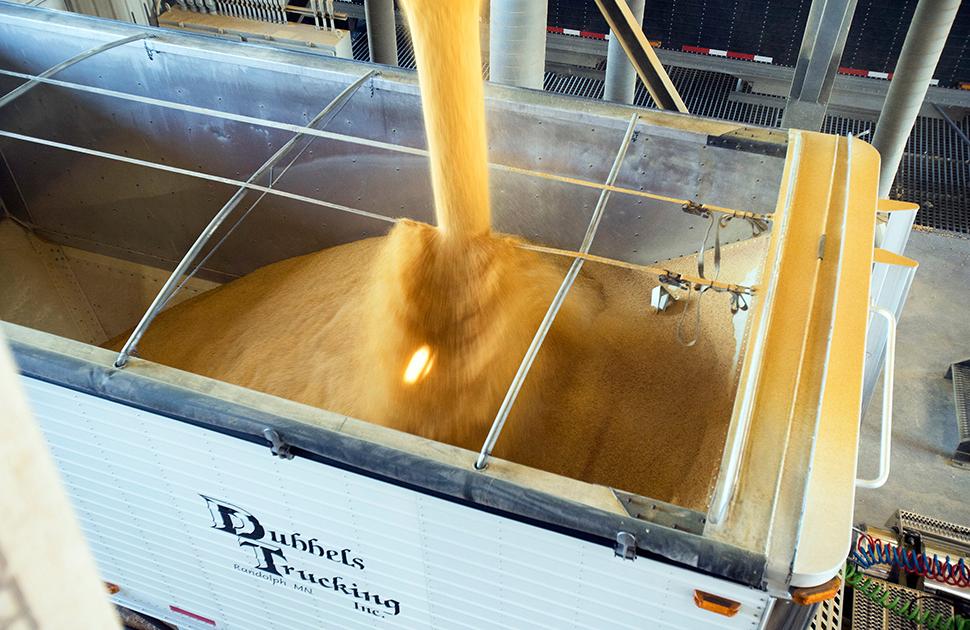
(423, 329)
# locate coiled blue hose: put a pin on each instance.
(870, 551)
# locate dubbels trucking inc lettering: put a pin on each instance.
(270, 548)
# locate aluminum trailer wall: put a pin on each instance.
(146, 215)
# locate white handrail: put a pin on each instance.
(885, 442)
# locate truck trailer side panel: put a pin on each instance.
(205, 529)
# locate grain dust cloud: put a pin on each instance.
(423, 329)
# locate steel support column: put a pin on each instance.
(914, 70)
(517, 42)
(626, 30)
(818, 61)
(621, 76)
(381, 31)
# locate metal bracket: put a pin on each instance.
(960, 374)
(626, 546)
(278, 446)
(673, 279)
(660, 513)
(697, 209)
(738, 303)
(661, 298)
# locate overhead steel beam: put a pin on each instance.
(818, 62)
(627, 30)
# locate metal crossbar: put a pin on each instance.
(665, 275)
(169, 288)
(557, 301)
(368, 143)
(197, 174)
(33, 81)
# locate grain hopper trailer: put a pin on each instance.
(210, 505)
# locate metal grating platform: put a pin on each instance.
(960, 373)
(929, 527)
(868, 615)
(829, 613)
(934, 172)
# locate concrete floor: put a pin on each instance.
(934, 331)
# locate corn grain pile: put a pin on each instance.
(423, 330)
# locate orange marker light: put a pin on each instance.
(814, 594)
(112, 588)
(716, 603)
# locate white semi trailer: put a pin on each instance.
(212, 506)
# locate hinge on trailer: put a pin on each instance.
(626, 546)
(277, 446)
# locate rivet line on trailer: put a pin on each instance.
(377, 144)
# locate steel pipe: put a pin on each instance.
(517, 42)
(621, 76)
(381, 31)
(557, 301)
(170, 284)
(918, 58)
(952, 124)
(20, 90)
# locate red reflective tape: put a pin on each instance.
(737, 55)
(695, 49)
(192, 615)
(554, 29)
(592, 35)
(853, 71)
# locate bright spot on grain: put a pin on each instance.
(419, 365)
